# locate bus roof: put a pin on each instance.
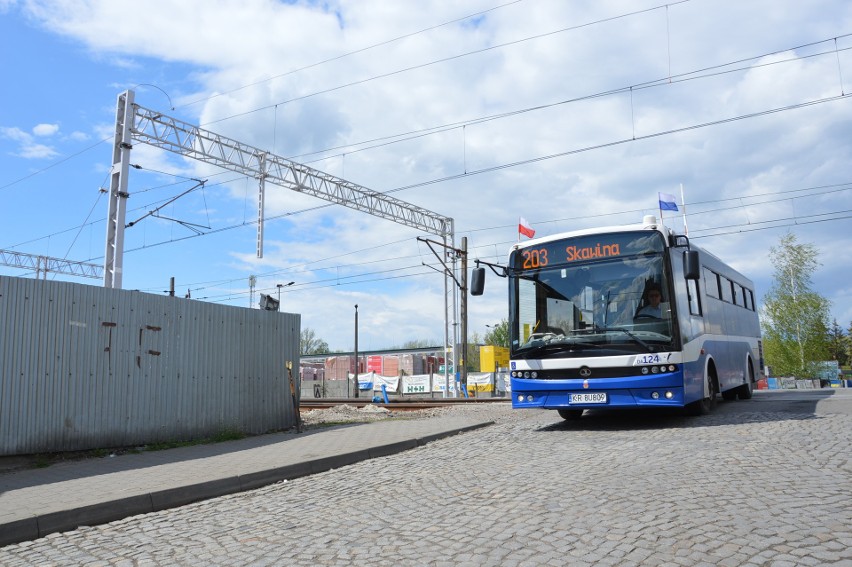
(648, 223)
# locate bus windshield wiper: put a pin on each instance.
(570, 345)
(630, 334)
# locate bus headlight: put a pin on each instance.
(655, 395)
(521, 398)
(669, 395)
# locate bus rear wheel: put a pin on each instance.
(570, 414)
(745, 391)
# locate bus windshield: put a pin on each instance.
(601, 307)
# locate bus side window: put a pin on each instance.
(726, 288)
(712, 282)
(693, 297)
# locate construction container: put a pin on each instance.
(339, 367)
(390, 365)
(493, 357)
(411, 364)
(375, 364)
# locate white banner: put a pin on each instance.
(439, 384)
(480, 381)
(391, 383)
(418, 384)
(365, 381)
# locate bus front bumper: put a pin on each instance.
(662, 391)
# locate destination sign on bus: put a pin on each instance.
(586, 248)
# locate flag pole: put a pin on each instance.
(683, 204)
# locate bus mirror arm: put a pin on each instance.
(477, 278)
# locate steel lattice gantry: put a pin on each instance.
(136, 123)
(41, 265)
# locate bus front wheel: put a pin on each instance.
(705, 405)
(570, 414)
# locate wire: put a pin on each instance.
(54, 164)
(344, 55)
(445, 60)
(76, 236)
(683, 77)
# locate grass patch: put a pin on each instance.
(44, 460)
(219, 437)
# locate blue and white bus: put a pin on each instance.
(627, 317)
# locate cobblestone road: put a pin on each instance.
(742, 486)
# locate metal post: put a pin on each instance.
(122, 144)
(356, 351)
(261, 202)
(462, 359)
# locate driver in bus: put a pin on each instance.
(652, 298)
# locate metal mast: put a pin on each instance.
(114, 254)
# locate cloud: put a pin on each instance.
(78, 136)
(45, 130)
(28, 148)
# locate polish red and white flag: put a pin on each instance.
(525, 228)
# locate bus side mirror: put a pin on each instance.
(477, 281)
(691, 265)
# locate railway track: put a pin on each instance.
(395, 405)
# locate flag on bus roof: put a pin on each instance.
(667, 202)
(525, 228)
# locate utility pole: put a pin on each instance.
(463, 292)
(462, 285)
(122, 144)
(356, 350)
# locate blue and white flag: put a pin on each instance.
(667, 202)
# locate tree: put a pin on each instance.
(419, 343)
(849, 342)
(471, 361)
(498, 335)
(838, 344)
(794, 317)
(310, 343)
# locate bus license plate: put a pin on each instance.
(587, 398)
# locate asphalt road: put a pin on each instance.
(762, 482)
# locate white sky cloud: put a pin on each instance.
(28, 148)
(45, 130)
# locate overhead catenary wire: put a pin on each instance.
(447, 59)
(354, 52)
(317, 265)
(506, 165)
(587, 24)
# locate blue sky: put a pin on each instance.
(593, 107)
